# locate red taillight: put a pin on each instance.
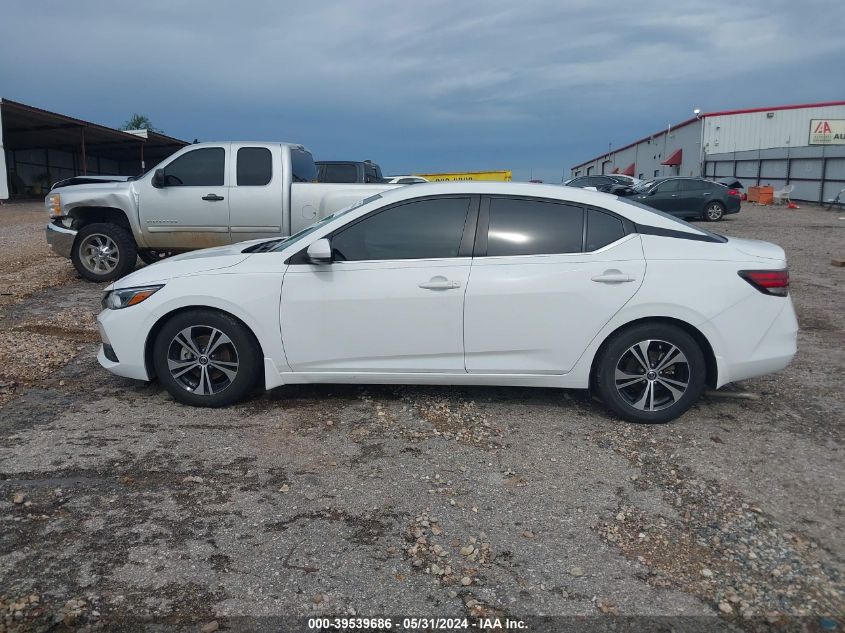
(770, 282)
(733, 192)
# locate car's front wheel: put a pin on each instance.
(206, 358)
(650, 373)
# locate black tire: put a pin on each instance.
(241, 354)
(151, 256)
(116, 257)
(663, 404)
(714, 211)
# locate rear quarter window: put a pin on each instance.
(602, 229)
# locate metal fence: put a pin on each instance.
(817, 172)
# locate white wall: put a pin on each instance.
(754, 130)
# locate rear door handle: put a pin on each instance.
(440, 283)
(613, 277)
(212, 197)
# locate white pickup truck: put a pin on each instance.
(206, 194)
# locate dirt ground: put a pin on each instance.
(120, 509)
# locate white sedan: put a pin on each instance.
(464, 283)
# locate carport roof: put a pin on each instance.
(27, 127)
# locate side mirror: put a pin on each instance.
(159, 179)
(320, 252)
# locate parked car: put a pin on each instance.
(736, 185)
(463, 283)
(685, 197)
(206, 194)
(404, 180)
(604, 182)
(348, 171)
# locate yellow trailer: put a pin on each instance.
(503, 175)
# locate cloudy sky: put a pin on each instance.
(531, 86)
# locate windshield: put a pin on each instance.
(283, 244)
(644, 186)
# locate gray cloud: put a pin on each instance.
(421, 85)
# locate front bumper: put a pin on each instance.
(60, 239)
(123, 350)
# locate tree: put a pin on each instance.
(140, 122)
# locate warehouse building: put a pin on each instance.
(38, 148)
(800, 145)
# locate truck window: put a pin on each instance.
(198, 168)
(255, 166)
(303, 168)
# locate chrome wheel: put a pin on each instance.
(714, 212)
(99, 253)
(203, 360)
(652, 375)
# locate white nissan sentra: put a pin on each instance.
(469, 283)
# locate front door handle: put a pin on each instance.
(212, 197)
(440, 283)
(613, 277)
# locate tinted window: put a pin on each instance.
(578, 182)
(338, 173)
(198, 168)
(533, 227)
(418, 230)
(302, 166)
(255, 166)
(668, 186)
(602, 229)
(692, 185)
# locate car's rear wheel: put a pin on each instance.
(650, 373)
(206, 358)
(714, 211)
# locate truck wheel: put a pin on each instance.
(104, 252)
(151, 256)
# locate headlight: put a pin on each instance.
(54, 204)
(125, 297)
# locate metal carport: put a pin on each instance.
(40, 147)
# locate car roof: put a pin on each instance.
(634, 212)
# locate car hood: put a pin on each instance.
(185, 264)
(758, 248)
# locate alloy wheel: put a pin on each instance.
(714, 212)
(652, 375)
(99, 253)
(203, 360)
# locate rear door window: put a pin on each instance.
(692, 185)
(420, 229)
(302, 165)
(198, 168)
(533, 227)
(669, 186)
(255, 167)
(602, 229)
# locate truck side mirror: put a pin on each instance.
(320, 252)
(159, 179)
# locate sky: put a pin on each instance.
(531, 86)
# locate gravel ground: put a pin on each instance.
(120, 509)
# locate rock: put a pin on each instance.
(453, 593)
(528, 534)
(435, 569)
(466, 551)
(284, 488)
(210, 627)
(576, 571)
(192, 479)
(706, 573)
(725, 607)
(318, 598)
(466, 581)
(19, 498)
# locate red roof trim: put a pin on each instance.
(799, 106)
(645, 138)
(675, 159)
(615, 171)
(629, 170)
